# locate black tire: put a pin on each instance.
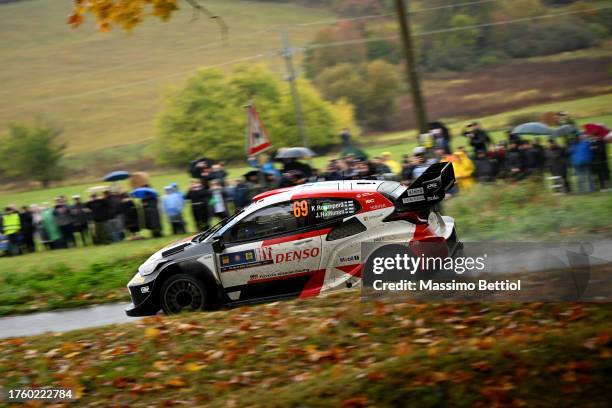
(183, 292)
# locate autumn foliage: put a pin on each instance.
(333, 351)
(124, 13)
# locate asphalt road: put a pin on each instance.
(63, 321)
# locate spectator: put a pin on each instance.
(581, 158)
(514, 162)
(131, 219)
(99, 208)
(173, 208)
(415, 166)
(11, 227)
(52, 232)
(80, 219)
(303, 169)
(479, 139)
(63, 219)
(218, 200)
(199, 197)
(395, 167)
(464, 170)
(151, 214)
(27, 229)
(483, 170)
(442, 136)
(557, 163)
(497, 158)
(218, 173)
(599, 166)
(114, 219)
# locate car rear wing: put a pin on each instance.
(427, 190)
(430, 188)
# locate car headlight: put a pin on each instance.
(150, 264)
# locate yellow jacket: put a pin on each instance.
(11, 223)
(464, 169)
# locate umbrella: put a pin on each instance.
(143, 191)
(596, 129)
(117, 176)
(565, 130)
(532, 128)
(97, 189)
(294, 153)
(139, 179)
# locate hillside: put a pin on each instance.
(105, 89)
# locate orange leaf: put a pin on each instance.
(176, 382)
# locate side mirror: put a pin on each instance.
(217, 245)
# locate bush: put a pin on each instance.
(207, 116)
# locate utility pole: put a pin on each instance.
(411, 69)
(291, 77)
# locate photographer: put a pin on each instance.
(479, 139)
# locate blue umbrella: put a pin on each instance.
(532, 128)
(117, 176)
(565, 130)
(142, 192)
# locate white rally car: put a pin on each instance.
(292, 242)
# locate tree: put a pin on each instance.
(207, 116)
(129, 13)
(371, 87)
(32, 153)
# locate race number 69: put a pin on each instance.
(300, 208)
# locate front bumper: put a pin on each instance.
(143, 294)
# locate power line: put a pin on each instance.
(133, 83)
(452, 29)
(371, 16)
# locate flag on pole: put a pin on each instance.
(257, 137)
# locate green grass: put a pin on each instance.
(528, 211)
(45, 63)
(332, 351)
(71, 278)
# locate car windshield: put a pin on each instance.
(215, 228)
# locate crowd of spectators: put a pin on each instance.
(113, 215)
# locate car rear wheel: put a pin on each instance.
(183, 292)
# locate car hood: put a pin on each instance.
(182, 249)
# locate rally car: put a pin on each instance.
(293, 242)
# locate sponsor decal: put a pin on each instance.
(414, 191)
(263, 277)
(298, 255)
(351, 258)
(246, 259)
(144, 289)
(432, 186)
(372, 217)
(377, 206)
(415, 199)
(433, 198)
(333, 209)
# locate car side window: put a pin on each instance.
(328, 209)
(273, 220)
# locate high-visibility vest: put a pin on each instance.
(11, 223)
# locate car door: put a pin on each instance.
(272, 252)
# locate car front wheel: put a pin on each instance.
(183, 292)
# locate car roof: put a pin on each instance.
(318, 189)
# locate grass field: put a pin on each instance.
(105, 89)
(332, 351)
